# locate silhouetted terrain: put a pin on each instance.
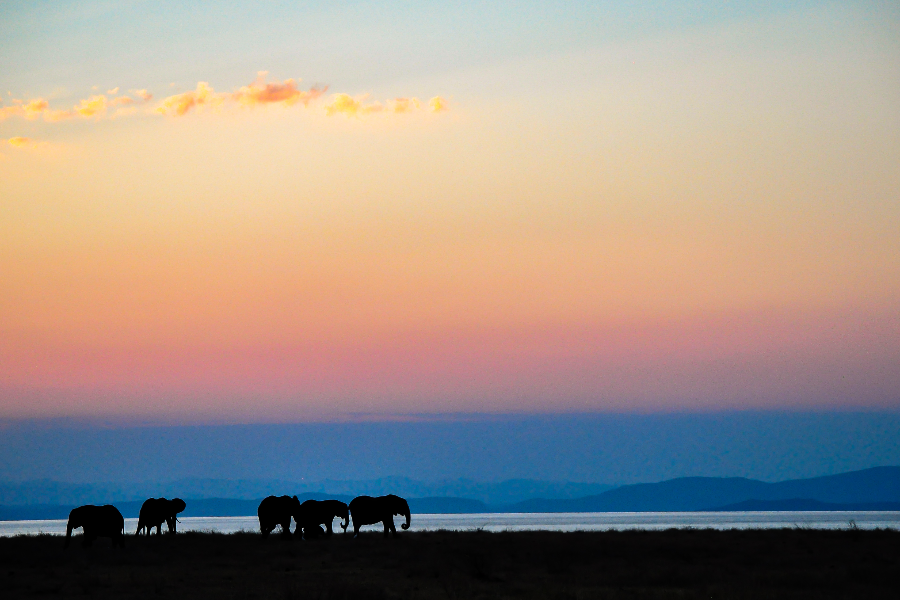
(871, 489)
(788, 563)
(46, 492)
(876, 485)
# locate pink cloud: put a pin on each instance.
(286, 92)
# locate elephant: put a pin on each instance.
(368, 511)
(278, 510)
(97, 521)
(155, 511)
(322, 512)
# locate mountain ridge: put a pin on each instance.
(877, 488)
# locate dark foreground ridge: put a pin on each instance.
(787, 563)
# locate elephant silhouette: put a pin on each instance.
(156, 511)
(278, 510)
(97, 521)
(367, 510)
(314, 513)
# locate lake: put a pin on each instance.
(543, 521)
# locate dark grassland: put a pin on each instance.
(787, 563)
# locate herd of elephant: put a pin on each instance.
(310, 517)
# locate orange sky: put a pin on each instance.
(700, 218)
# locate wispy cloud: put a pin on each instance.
(179, 104)
(286, 92)
(352, 107)
(94, 106)
(29, 110)
(261, 92)
(438, 104)
(20, 142)
(358, 106)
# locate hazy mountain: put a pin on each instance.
(871, 489)
(879, 484)
(44, 492)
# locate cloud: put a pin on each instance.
(345, 104)
(20, 142)
(93, 106)
(438, 104)
(356, 106)
(404, 105)
(34, 108)
(261, 92)
(180, 104)
(30, 110)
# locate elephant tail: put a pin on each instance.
(68, 534)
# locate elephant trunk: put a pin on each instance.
(346, 521)
(405, 526)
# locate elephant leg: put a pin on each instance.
(328, 529)
(386, 527)
(355, 530)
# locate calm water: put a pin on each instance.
(542, 521)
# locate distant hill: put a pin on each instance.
(879, 484)
(870, 489)
(47, 492)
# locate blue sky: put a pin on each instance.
(610, 449)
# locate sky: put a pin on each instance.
(602, 448)
(343, 211)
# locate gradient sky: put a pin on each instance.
(341, 210)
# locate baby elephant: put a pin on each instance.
(97, 521)
(155, 511)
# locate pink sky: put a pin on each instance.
(693, 218)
